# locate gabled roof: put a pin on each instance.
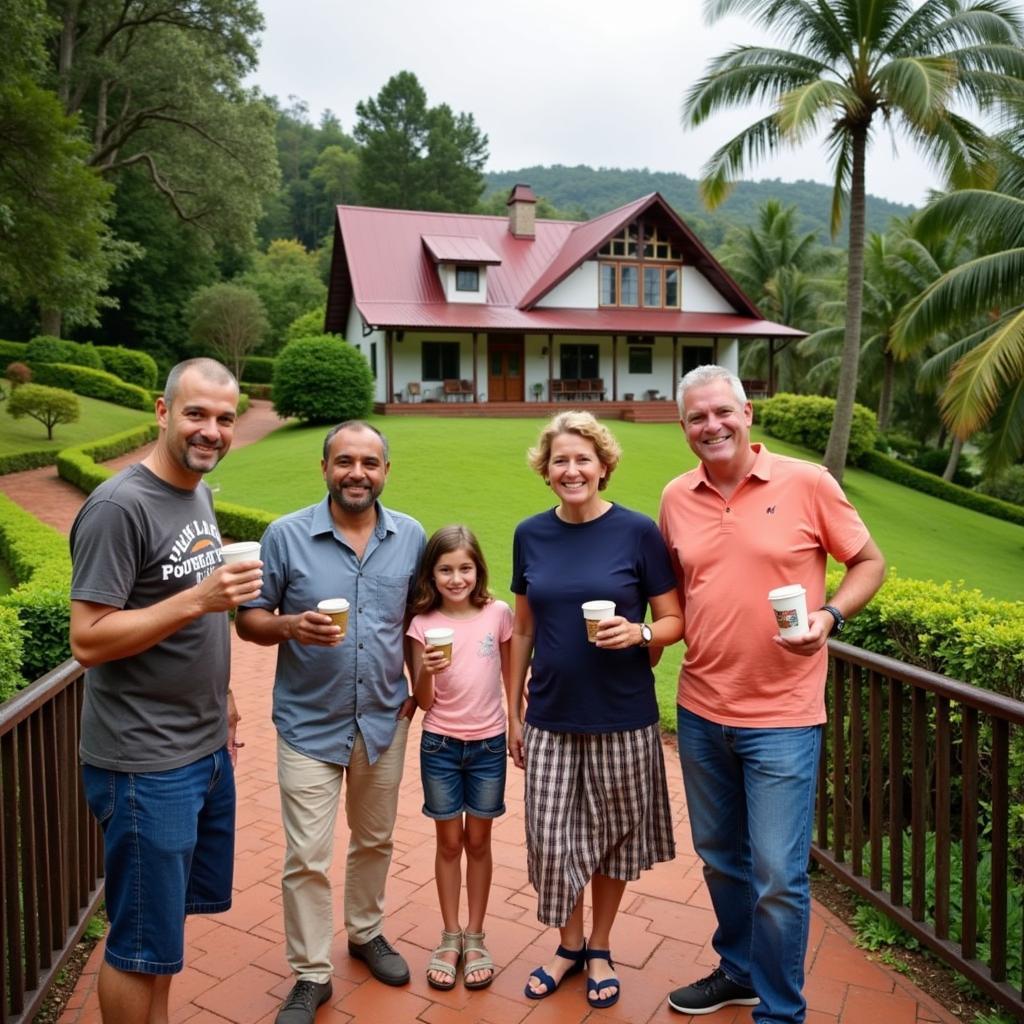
(384, 262)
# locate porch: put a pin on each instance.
(661, 410)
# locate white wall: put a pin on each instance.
(700, 296)
(577, 291)
(446, 271)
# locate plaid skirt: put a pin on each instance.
(596, 803)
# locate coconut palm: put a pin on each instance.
(852, 65)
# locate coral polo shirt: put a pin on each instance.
(777, 527)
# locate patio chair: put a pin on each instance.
(452, 391)
(466, 390)
(597, 388)
(414, 391)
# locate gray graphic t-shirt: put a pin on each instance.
(136, 541)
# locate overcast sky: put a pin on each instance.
(563, 82)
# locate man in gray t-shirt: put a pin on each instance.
(149, 602)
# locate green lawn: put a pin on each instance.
(98, 419)
(475, 472)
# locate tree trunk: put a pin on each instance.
(50, 321)
(839, 437)
(954, 458)
(885, 398)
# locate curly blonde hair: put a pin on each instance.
(585, 425)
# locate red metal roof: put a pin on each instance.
(459, 249)
(381, 263)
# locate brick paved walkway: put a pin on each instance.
(236, 970)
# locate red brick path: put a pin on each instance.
(235, 967)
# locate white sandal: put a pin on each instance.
(451, 942)
(475, 941)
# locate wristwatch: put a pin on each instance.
(646, 635)
(840, 623)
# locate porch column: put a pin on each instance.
(771, 367)
(389, 376)
(615, 367)
(729, 354)
(675, 366)
(476, 391)
(551, 363)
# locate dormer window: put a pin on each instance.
(640, 266)
(467, 279)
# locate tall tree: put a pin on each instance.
(850, 64)
(416, 157)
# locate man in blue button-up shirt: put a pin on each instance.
(341, 703)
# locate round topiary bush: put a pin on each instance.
(322, 380)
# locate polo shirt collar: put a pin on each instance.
(762, 468)
(323, 522)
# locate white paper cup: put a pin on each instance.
(337, 608)
(241, 551)
(442, 638)
(593, 613)
(790, 606)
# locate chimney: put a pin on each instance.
(521, 203)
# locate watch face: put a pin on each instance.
(646, 634)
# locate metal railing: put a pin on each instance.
(911, 751)
(51, 861)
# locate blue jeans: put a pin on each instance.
(750, 795)
(462, 776)
(169, 840)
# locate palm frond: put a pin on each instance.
(729, 161)
(919, 86)
(961, 152)
(840, 146)
(801, 108)
(935, 370)
(812, 22)
(1005, 441)
(985, 213)
(929, 20)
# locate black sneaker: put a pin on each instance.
(385, 962)
(711, 993)
(302, 1002)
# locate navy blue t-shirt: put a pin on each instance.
(576, 686)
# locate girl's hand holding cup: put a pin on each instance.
(436, 659)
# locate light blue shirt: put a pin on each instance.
(323, 696)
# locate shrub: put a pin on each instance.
(308, 325)
(322, 380)
(10, 653)
(892, 442)
(264, 391)
(50, 406)
(12, 350)
(807, 420)
(919, 480)
(935, 460)
(18, 461)
(38, 557)
(47, 349)
(1007, 486)
(259, 370)
(130, 365)
(18, 373)
(80, 465)
(94, 383)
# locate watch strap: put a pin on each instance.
(839, 621)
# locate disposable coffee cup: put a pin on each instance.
(593, 613)
(337, 608)
(790, 607)
(241, 551)
(441, 638)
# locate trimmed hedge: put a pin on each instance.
(130, 365)
(264, 391)
(807, 420)
(94, 383)
(919, 480)
(12, 350)
(38, 557)
(17, 461)
(11, 649)
(259, 369)
(47, 349)
(241, 523)
(80, 465)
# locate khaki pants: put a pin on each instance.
(310, 790)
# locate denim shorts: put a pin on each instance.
(462, 776)
(169, 845)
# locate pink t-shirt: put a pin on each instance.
(776, 528)
(467, 695)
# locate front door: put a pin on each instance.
(505, 368)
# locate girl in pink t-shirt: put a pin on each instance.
(462, 752)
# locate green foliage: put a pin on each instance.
(228, 322)
(322, 380)
(18, 373)
(935, 460)
(261, 391)
(129, 364)
(259, 369)
(10, 653)
(806, 420)
(15, 462)
(876, 930)
(50, 406)
(892, 469)
(47, 349)
(288, 284)
(308, 325)
(1007, 486)
(893, 442)
(80, 465)
(94, 383)
(417, 157)
(38, 557)
(10, 350)
(241, 523)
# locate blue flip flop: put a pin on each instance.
(578, 958)
(596, 986)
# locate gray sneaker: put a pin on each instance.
(385, 962)
(710, 994)
(301, 1005)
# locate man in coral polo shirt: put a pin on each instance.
(750, 703)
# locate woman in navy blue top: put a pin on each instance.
(597, 806)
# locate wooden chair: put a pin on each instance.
(571, 388)
(755, 388)
(414, 391)
(466, 390)
(452, 391)
(597, 388)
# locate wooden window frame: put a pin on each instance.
(641, 267)
(475, 271)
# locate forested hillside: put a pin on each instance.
(587, 192)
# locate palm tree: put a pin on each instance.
(852, 64)
(985, 365)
